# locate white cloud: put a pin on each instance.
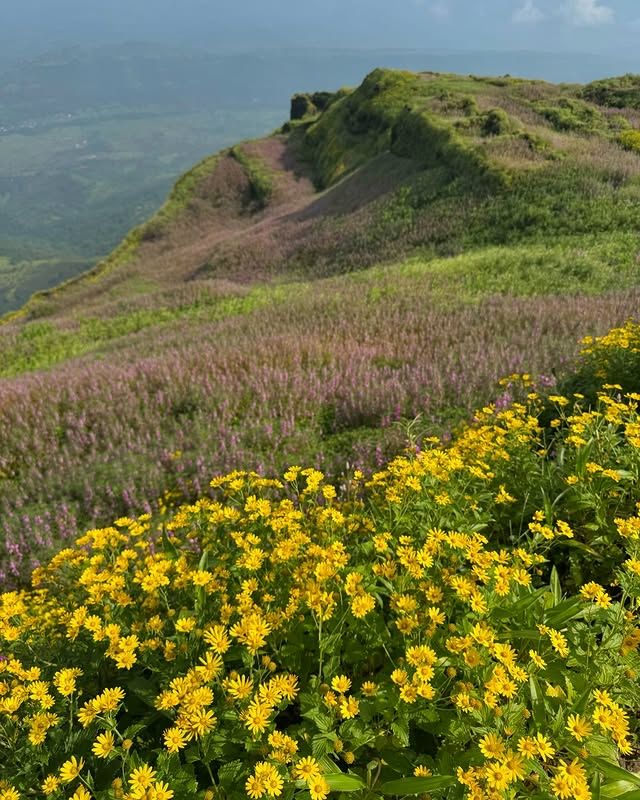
(529, 13)
(587, 12)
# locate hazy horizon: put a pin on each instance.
(606, 27)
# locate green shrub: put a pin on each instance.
(620, 92)
(435, 143)
(571, 114)
(261, 184)
(630, 140)
(496, 122)
(613, 359)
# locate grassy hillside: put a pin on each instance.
(359, 280)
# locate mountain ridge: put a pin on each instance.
(473, 131)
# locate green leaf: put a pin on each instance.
(537, 701)
(565, 611)
(231, 773)
(418, 785)
(323, 722)
(400, 730)
(556, 588)
(613, 772)
(633, 795)
(514, 609)
(204, 560)
(321, 745)
(338, 782)
(617, 789)
(595, 787)
(574, 544)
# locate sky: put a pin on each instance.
(599, 26)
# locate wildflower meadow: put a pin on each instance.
(462, 623)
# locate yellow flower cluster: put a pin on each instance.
(278, 635)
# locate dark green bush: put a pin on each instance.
(620, 92)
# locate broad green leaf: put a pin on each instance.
(567, 610)
(418, 785)
(632, 795)
(617, 789)
(613, 772)
(514, 609)
(338, 782)
(520, 633)
(574, 544)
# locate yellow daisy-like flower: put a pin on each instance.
(527, 747)
(578, 727)
(65, 681)
(81, 794)
(70, 770)
(175, 739)
(349, 707)
(306, 768)
(362, 605)
(492, 746)
(255, 788)
(537, 659)
(544, 747)
(318, 788)
(50, 784)
(103, 745)
(140, 780)
(160, 791)
(341, 684)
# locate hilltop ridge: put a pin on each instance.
(405, 162)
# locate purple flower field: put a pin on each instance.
(321, 380)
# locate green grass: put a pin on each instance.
(571, 265)
(261, 180)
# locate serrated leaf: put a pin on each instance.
(401, 731)
(339, 782)
(230, 773)
(321, 745)
(323, 722)
(418, 785)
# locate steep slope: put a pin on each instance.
(438, 163)
(358, 280)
